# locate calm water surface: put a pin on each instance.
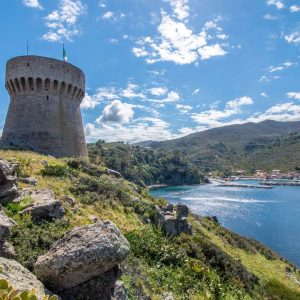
(270, 216)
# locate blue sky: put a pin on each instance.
(161, 69)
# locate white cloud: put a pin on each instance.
(270, 17)
(132, 92)
(195, 92)
(279, 4)
(214, 117)
(62, 23)
(113, 41)
(102, 4)
(32, 4)
(116, 112)
(281, 112)
(180, 8)
(294, 8)
(184, 108)
(158, 91)
(141, 129)
(294, 37)
(285, 65)
(172, 97)
(177, 43)
(294, 95)
(265, 95)
(108, 15)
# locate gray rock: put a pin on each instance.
(168, 296)
(92, 289)
(7, 250)
(44, 206)
(119, 292)
(80, 255)
(29, 180)
(169, 207)
(20, 278)
(5, 225)
(173, 225)
(93, 218)
(113, 173)
(70, 200)
(182, 211)
(8, 188)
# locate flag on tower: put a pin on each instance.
(64, 53)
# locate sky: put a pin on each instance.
(162, 69)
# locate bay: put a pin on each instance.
(271, 216)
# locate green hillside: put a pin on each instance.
(212, 263)
(266, 145)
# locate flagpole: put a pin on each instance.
(27, 48)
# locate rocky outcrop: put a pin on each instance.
(173, 221)
(44, 206)
(85, 259)
(8, 178)
(28, 180)
(6, 249)
(20, 278)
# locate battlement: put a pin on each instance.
(44, 111)
(42, 75)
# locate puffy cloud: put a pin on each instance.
(195, 92)
(131, 92)
(294, 37)
(158, 91)
(294, 95)
(279, 4)
(281, 112)
(141, 129)
(184, 108)
(32, 4)
(294, 8)
(108, 15)
(180, 8)
(214, 117)
(62, 23)
(177, 43)
(116, 112)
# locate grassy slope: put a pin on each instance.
(204, 266)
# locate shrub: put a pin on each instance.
(55, 170)
(24, 167)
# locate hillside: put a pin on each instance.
(146, 166)
(266, 145)
(209, 262)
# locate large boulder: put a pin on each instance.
(44, 206)
(173, 224)
(8, 178)
(80, 255)
(5, 226)
(103, 285)
(20, 278)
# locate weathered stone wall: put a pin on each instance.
(44, 111)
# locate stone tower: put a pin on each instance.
(44, 111)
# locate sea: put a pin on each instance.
(271, 216)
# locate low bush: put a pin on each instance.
(55, 170)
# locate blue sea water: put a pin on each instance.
(271, 216)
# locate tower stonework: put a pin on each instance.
(44, 111)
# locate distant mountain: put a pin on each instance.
(266, 145)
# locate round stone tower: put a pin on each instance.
(44, 111)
